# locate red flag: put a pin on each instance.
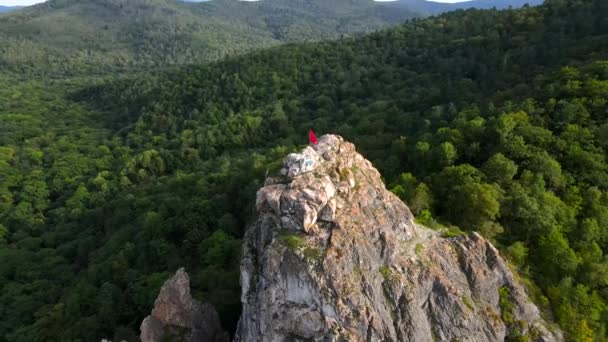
(312, 137)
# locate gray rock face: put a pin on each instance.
(299, 163)
(334, 256)
(178, 317)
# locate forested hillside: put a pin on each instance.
(493, 121)
(68, 37)
(425, 7)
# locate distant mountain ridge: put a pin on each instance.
(4, 9)
(100, 34)
(432, 7)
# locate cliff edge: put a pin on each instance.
(334, 256)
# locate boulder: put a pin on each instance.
(298, 163)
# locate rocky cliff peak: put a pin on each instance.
(334, 256)
(178, 317)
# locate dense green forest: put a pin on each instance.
(493, 121)
(71, 37)
(432, 7)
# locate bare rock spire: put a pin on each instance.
(178, 317)
(334, 256)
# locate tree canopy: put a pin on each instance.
(493, 121)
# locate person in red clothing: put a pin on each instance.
(312, 137)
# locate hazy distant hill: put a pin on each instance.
(98, 34)
(4, 9)
(498, 3)
(430, 7)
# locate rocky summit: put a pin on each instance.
(334, 256)
(178, 317)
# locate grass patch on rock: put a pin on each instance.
(298, 245)
(293, 242)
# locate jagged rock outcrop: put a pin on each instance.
(334, 256)
(178, 317)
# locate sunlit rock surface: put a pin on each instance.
(334, 256)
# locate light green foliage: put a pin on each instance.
(506, 305)
(404, 186)
(500, 169)
(577, 308)
(386, 272)
(297, 244)
(517, 330)
(422, 199)
(452, 232)
(468, 302)
(78, 202)
(518, 253)
(416, 195)
(446, 154)
(419, 249)
(293, 242)
(424, 218)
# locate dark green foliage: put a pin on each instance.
(487, 120)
